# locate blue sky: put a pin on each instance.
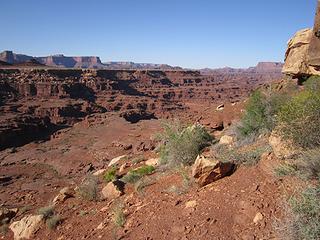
(188, 33)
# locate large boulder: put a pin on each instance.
(207, 170)
(297, 54)
(25, 228)
(303, 53)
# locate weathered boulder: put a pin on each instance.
(303, 53)
(206, 170)
(25, 228)
(113, 190)
(297, 54)
(64, 193)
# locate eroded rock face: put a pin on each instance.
(206, 170)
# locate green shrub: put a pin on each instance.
(110, 175)
(134, 175)
(306, 209)
(53, 222)
(4, 229)
(255, 119)
(312, 84)
(285, 170)
(46, 212)
(181, 145)
(299, 119)
(119, 218)
(240, 156)
(309, 163)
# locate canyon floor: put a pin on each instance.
(59, 127)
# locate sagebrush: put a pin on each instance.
(182, 144)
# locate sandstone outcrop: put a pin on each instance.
(303, 52)
(296, 61)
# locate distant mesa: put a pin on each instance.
(61, 61)
(53, 61)
(262, 67)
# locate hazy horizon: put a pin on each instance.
(190, 34)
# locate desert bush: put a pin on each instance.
(4, 228)
(143, 183)
(312, 84)
(88, 189)
(138, 159)
(134, 175)
(306, 209)
(285, 170)
(46, 212)
(309, 163)
(110, 175)
(181, 144)
(299, 119)
(119, 218)
(255, 118)
(245, 156)
(53, 221)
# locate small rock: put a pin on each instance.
(113, 190)
(99, 172)
(226, 140)
(191, 204)
(123, 167)
(115, 160)
(258, 217)
(24, 228)
(152, 162)
(220, 107)
(89, 168)
(64, 193)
